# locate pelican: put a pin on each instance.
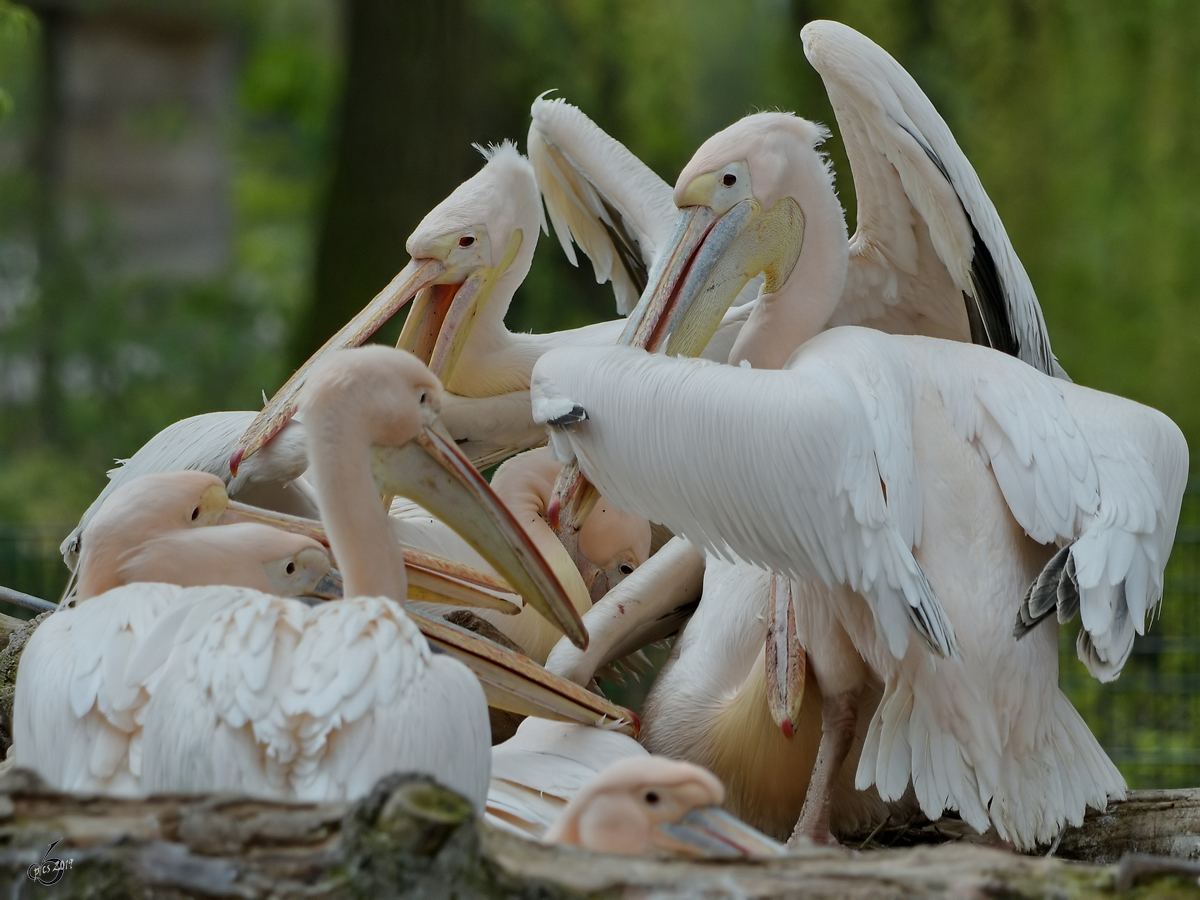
(928, 239)
(151, 529)
(887, 470)
(649, 805)
(469, 255)
(543, 766)
(256, 693)
(203, 443)
(930, 254)
(924, 483)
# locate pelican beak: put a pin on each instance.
(418, 274)
(515, 683)
(430, 577)
(572, 500)
(709, 831)
(457, 316)
(708, 261)
(786, 661)
(432, 471)
(329, 587)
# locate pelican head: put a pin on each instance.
(743, 202)
(387, 400)
(483, 233)
(141, 509)
(650, 804)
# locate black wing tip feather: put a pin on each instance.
(931, 622)
(1055, 589)
(577, 414)
(628, 251)
(987, 309)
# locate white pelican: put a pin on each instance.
(469, 255)
(75, 716)
(256, 693)
(930, 255)
(927, 478)
(537, 771)
(650, 805)
(152, 529)
(203, 443)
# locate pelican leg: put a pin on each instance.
(839, 714)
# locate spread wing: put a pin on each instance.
(600, 196)
(786, 471)
(1101, 476)
(930, 254)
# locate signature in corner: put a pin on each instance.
(50, 869)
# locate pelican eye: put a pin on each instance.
(652, 798)
(466, 240)
(291, 568)
(195, 514)
(625, 569)
(422, 398)
(729, 180)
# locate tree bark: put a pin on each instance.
(416, 96)
(412, 838)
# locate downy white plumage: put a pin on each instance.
(270, 697)
(868, 445)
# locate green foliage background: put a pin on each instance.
(1082, 118)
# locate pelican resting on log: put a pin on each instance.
(650, 804)
(158, 688)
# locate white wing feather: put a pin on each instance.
(273, 698)
(928, 235)
(76, 712)
(537, 771)
(793, 479)
(1076, 465)
(600, 196)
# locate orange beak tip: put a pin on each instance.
(786, 727)
(236, 460)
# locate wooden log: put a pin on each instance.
(13, 635)
(1158, 823)
(413, 838)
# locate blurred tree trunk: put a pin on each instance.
(55, 285)
(417, 94)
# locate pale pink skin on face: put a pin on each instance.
(618, 810)
(148, 507)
